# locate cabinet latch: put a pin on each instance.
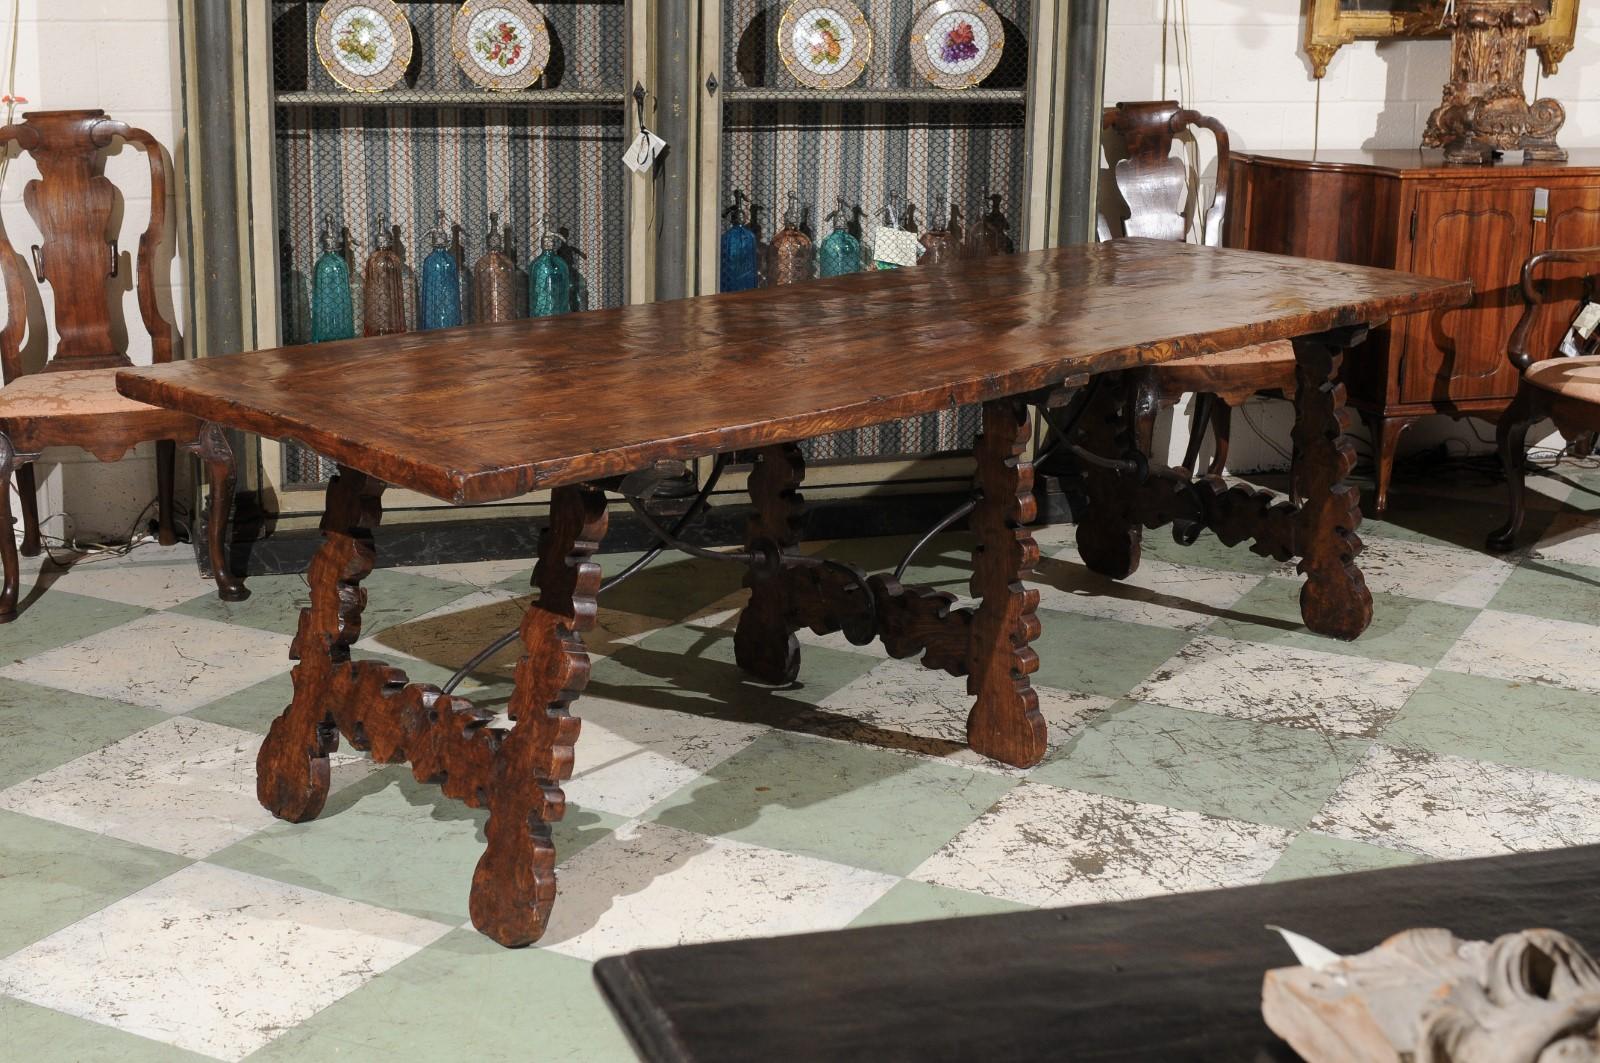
(1413, 223)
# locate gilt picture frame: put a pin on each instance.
(1332, 24)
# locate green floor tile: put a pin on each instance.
(54, 875)
(1403, 630)
(945, 563)
(464, 998)
(1313, 855)
(1466, 522)
(1094, 655)
(672, 587)
(42, 728)
(56, 618)
(1556, 590)
(691, 669)
(41, 1035)
(910, 901)
(1524, 724)
(1259, 772)
(275, 601)
(393, 842)
(1207, 552)
(852, 804)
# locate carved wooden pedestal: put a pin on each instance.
(1317, 523)
(988, 645)
(516, 773)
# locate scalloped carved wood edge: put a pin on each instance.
(446, 739)
(764, 644)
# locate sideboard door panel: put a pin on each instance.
(1483, 234)
(1574, 221)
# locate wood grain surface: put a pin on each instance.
(489, 412)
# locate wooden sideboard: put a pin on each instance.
(1404, 209)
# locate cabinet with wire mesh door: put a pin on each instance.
(868, 135)
(439, 163)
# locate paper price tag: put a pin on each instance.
(895, 246)
(644, 151)
(1584, 324)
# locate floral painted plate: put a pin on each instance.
(826, 44)
(365, 45)
(502, 45)
(956, 43)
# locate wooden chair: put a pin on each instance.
(1563, 387)
(1159, 192)
(73, 399)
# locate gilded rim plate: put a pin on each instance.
(502, 45)
(365, 45)
(956, 43)
(826, 44)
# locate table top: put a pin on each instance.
(1176, 977)
(488, 412)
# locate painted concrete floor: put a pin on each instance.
(150, 910)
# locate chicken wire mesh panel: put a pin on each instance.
(890, 131)
(437, 143)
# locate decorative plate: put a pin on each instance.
(956, 43)
(365, 45)
(826, 44)
(502, 45)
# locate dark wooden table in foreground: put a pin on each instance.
(494, 411)
(1170, 978)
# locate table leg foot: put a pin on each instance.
(514, 885)
(764, 644)
(211, 446)
(1335, 600)
(1005, 722)
(1109, 535)
(292, 766)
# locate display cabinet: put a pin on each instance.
(324, 167)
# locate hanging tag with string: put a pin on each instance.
(646, 148)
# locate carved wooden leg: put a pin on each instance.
(1222, 434)
(9, 566)
(166, 467)
(292, 767)
(764, 644)
(1005, 722)
(212, 448)
(1511, 434)
(1335, 600)
(28, 488)
(1199, 421)
(1109, 534)
(1386, 432)
(514, 885)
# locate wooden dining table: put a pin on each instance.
(578, 403)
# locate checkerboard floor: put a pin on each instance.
(150, 910)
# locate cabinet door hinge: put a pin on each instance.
(1413, 223)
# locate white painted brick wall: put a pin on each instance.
(119, 56)
(1250, 73)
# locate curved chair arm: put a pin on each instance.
(1517, 347)
(1212, 232)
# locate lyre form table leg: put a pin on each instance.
(514, 885)
(292, 766)
(1335, 600)
(211, 446)
(764, 644)
(1005, 722)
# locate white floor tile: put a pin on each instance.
(152, 586)
(648, 886)
(1044, 845)
(905, 697)
(1329, 692)
(1159, 594)
(1450, 807)
(213, 960)
(1433, 571)
(164, 661)
(1528, 649)
(184, 786)
(1571, 537)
